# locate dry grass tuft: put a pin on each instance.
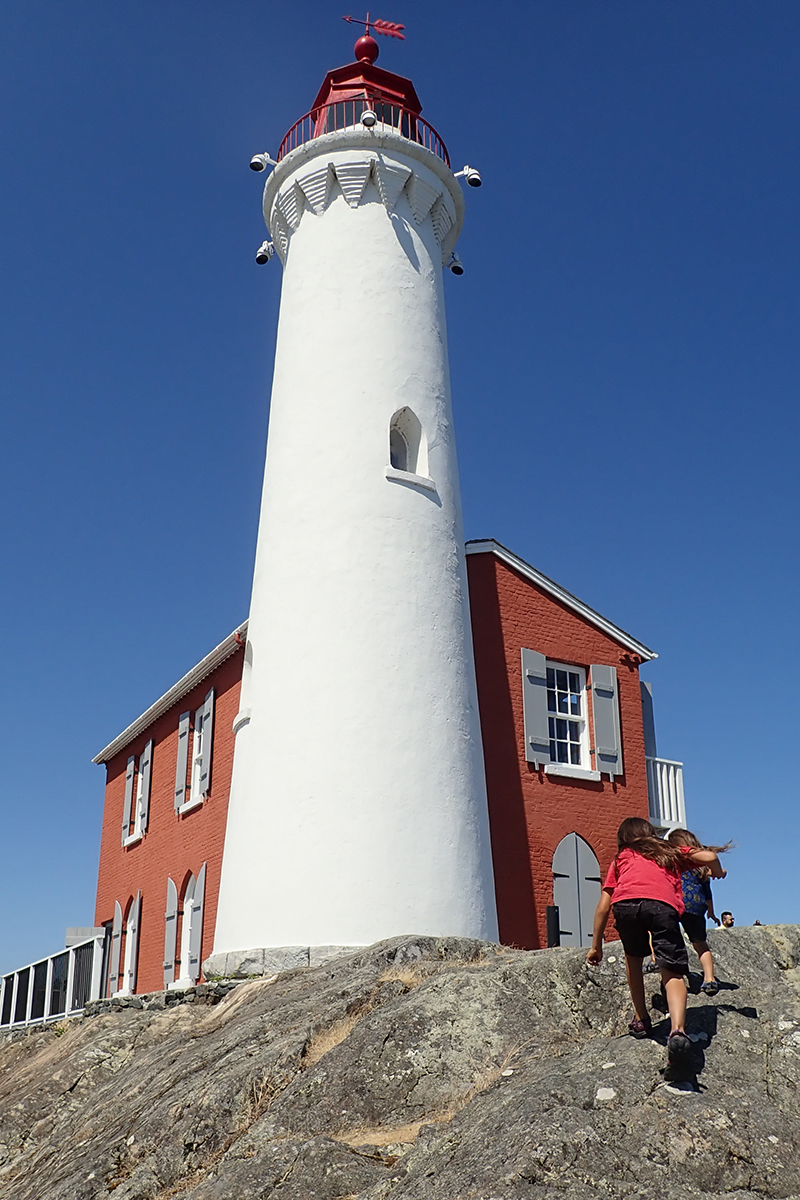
(409, 974)
(326, 1039)
(263, 1090)
(394, 1135)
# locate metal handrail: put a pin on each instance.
(345, 114)
(53, 988)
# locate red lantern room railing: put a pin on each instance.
(346, 114)
(362, 90)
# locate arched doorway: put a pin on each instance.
(576, 889)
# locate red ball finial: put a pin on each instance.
(366, 49)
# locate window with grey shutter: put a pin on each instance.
(128, 804)
(208, 738)
(605, 709)
(183, 758)
(534, 707)
(145, 767)
(196, 927)
(116, 942)
(132, 945)
(170, 933)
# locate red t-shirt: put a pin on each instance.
(631, 876)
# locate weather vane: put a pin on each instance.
(387, 28)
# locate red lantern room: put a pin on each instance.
(363, 93)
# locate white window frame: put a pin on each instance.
(573, 770)
(131, 951)
(196, 797)
(185, 912)
(136, 824)
(414, 457)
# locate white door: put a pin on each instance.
(576, 889)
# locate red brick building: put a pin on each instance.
(166, 804)
(566, 789)
(569, 751)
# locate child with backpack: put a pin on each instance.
(697, 901)
(644, 886)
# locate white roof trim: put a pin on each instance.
(490, 546)
(176, 692)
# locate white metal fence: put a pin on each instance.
(55, 987)
(665, 793)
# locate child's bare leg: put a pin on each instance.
(703, 952)
(633, 966)
(676, 998)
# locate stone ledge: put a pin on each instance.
(199, 993)
(270, 960)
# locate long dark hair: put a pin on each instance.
(685, 837)
(639, 835)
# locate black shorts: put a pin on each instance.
(695, 926)
(635, 919)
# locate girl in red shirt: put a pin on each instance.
(644, 886)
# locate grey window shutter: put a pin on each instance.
(196, 927)
(589, 889)
(208, 737)
(128, 805)
(170, 933)
(116, 942)
(534, 707)
(183, 758)
(145, 766)
(132, 944)
(565, 890)
(648, 720)
(605, 709)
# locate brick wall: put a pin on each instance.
(173, 845)
(530, 812)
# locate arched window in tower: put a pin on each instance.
(408, 449)
(398, 449)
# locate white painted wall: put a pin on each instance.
(358, 805)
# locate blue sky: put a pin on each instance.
(624, 349)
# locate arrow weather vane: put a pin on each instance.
(387, 28)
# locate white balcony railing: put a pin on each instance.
(665, 793)
(53, 988)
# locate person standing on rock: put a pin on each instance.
(644, 885)
(697, 901)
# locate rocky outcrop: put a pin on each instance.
(444, 1070)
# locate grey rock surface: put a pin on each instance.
(428, 1068)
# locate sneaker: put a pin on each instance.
(710, 987)
(679, 1050)
(640, 1029)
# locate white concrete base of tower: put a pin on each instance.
(271, 960)
(358, 807)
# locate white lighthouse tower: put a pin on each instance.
(358, 806)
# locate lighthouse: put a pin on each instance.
(358, 804)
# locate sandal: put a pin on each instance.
(710, 987)
(640, 1029)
